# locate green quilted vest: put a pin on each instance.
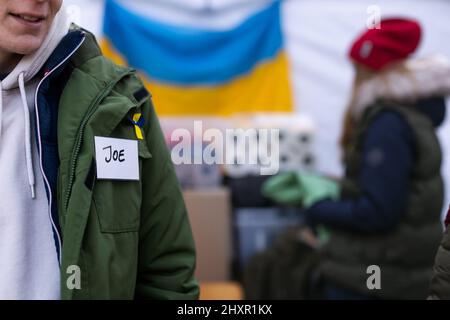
(406, 254)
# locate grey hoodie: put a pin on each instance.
(29, 267)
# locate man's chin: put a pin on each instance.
(27, 47)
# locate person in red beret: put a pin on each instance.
(384, 221)
(385, 227)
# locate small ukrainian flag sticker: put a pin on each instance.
(138, 122)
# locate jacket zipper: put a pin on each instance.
(48, 74)
(76, 150)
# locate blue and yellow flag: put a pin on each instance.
(193, 71)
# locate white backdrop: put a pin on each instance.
(317, 33)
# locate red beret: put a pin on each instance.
(395, 40)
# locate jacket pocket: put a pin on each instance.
(118, 203)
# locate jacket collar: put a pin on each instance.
(424, 78)
(66, 47)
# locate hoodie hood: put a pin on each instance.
(424, 85)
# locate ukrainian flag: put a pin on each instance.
(192, 71)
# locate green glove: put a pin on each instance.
(295, 188)
(316, 188)
(284, 188)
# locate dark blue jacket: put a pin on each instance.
(54, 74)
(388, 156)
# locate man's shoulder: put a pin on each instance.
(95, 75)
(90, 63)
(90, 59)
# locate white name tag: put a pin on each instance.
(117, 159)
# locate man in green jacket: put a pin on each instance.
(90, 207)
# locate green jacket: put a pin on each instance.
(127, 239)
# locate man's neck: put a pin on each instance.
(8, 61)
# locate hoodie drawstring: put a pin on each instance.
(28, 154)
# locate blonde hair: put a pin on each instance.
(362, 75)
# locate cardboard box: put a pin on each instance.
(210, 216)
